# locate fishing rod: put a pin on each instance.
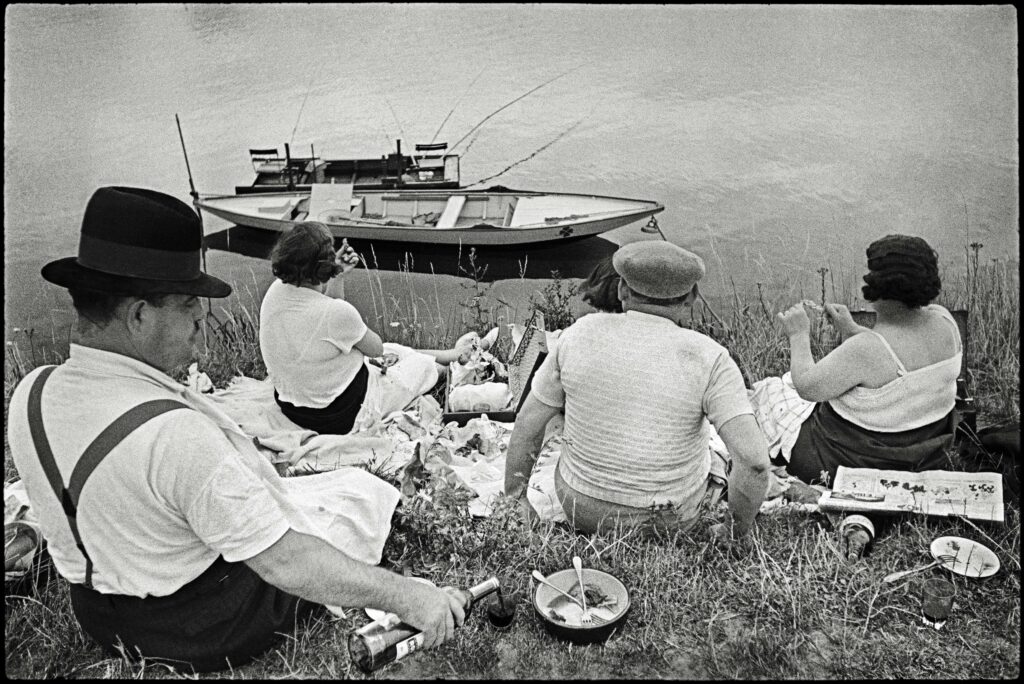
(400, 129)
(530, 156)
(509, 104)
(191, 185)
(469, 145)
(195, 204)
(309, 89)
(459, 101)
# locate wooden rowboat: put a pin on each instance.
(488, 217)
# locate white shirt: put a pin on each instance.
(637, 390)
(913, 399)
(307, 340)
(171, 497)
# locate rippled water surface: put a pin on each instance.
(779, 139)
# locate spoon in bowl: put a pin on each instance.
(543, 580)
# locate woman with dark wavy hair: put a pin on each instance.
(885, 395)
(330, 371)
(601, 288)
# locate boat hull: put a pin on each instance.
(479, 234)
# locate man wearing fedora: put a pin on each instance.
(169, 525)
(638, 390)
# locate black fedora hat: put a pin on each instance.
(137, 242)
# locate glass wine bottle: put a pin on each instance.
(388, 639)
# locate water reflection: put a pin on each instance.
(571, 258)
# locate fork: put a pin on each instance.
(944, 559)
(586, 618)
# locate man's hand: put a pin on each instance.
(435, 612)
(725, 536)
(794, 320)
(529, 513)
(346, 257)
(799, 492)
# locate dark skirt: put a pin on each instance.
(338, 417)
(827, 441)
(226, 615)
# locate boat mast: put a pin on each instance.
(288, 166)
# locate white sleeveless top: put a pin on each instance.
(914, 399)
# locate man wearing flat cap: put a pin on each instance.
(171, 528)
(638, 390)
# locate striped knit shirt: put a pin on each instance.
(638, 391)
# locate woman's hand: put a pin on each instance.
(346, 257)
(794, 320)
(840, 316)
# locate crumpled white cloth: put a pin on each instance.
(486, 396)
(780, 411)
(483, 469)
(476, 451)
(250, 403)
(414, 374)
(19, 520)
(351, 507)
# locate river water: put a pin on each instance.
(780, 139)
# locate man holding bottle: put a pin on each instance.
(169, 525)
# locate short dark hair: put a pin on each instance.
(601, 288)
(672, 301)
(902, 268)
(99, 307)
(305, 254)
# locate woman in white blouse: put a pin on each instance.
(330, 371)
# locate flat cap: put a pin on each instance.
(658, 268)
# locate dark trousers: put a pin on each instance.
(338, 417)
(226, 615)
(827, 441)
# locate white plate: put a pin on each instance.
(972, 559)
(375, 614)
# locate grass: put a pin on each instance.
(790, 608)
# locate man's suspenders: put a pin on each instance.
(93, 455)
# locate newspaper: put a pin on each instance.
(978, 496)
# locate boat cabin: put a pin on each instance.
(429, 167)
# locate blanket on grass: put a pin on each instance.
(472, 456)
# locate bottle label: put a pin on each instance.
(407, 646)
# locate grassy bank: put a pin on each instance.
(791, 608)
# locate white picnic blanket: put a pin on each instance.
(475, 453)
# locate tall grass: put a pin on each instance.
(789, 609)
(990, 291)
